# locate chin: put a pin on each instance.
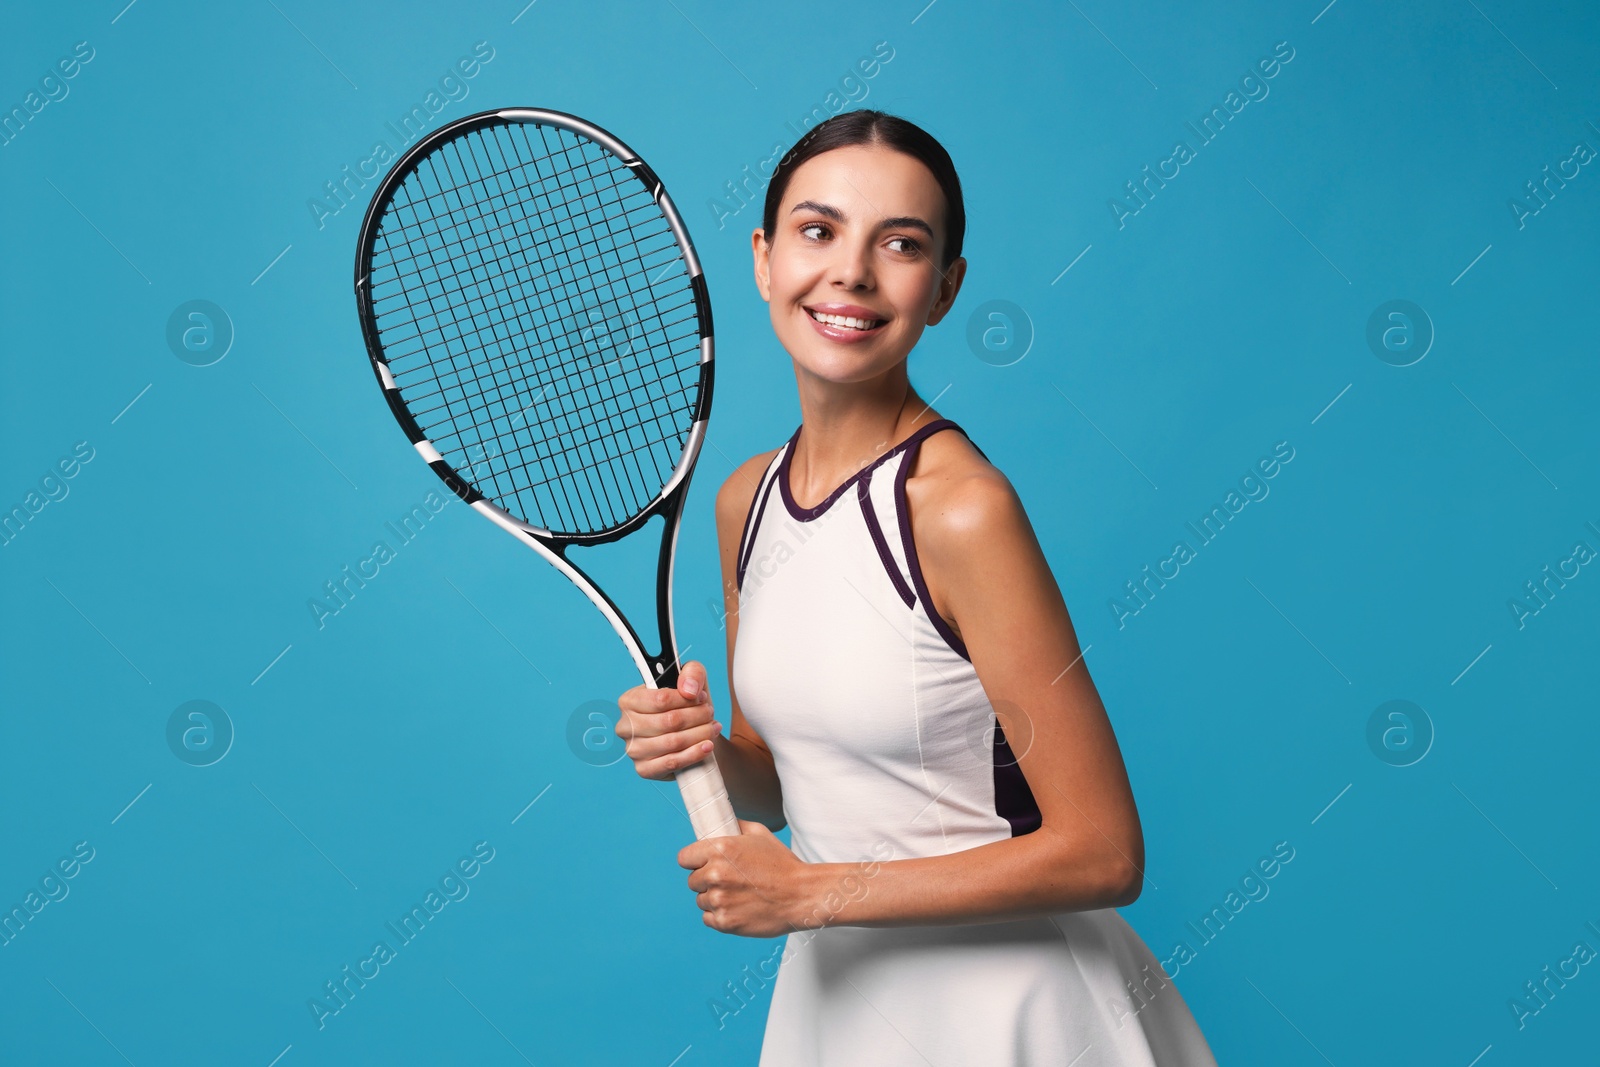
(842, 367)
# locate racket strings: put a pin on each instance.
(526, 301)
(575, 436)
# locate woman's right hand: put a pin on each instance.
(665, 730)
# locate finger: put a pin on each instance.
(692, 681)
(690, 742)
(663, 767)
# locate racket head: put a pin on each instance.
(535, 312)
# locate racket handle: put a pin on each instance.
(707, 800)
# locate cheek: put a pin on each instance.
(916, 292)
(787, 275)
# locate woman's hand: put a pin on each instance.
(665, 730)
(750, 885)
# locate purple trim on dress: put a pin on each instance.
(915, 566)
(1013, 797)
(807, 514)
(747, 539)
(870, 513)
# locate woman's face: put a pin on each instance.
(858, 236)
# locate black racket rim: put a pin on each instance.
(377, 209)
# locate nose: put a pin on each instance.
(851, 265)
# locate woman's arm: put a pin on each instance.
(988, 577)
(742, 757)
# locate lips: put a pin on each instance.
(845, 322)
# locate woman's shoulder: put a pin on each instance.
(955, 493)
(738, 490)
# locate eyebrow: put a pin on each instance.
(898, 222)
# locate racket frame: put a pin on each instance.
(704, 793)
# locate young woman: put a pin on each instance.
(906, 689)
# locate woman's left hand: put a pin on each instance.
(750, 885)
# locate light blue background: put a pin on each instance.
(1227, 315)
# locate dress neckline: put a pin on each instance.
(807, 514)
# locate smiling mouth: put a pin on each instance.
(846, 322)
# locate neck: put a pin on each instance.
(845, 427)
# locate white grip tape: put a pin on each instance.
(706, 798)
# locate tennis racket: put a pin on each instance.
(538, 320)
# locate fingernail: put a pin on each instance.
(691, 686)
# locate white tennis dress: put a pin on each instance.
(888, 749)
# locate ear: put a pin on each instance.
(949, 286)
(759, 253)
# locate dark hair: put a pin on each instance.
(866, 127)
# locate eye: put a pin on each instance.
(804, 227)
(910, 246)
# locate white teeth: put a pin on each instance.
(842, 320)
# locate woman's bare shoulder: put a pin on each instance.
(955, 492)
(738, 490)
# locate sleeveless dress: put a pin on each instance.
(887, 748)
